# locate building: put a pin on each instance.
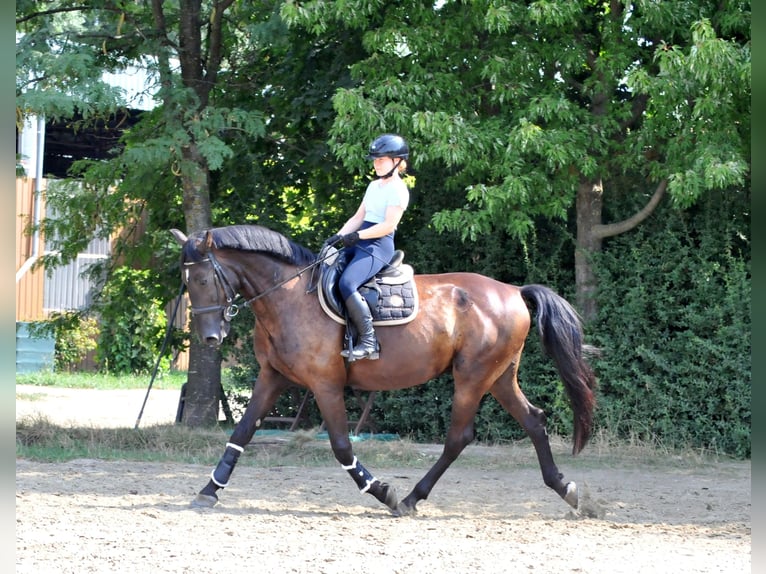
(45, 151)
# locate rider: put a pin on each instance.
(369, 235)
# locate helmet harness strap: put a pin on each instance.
(393, 169)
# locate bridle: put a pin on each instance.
(231, 309)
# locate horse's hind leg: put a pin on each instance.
(266, 390)
(532, 419)
(333, 408)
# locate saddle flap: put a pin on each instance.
(332, 267)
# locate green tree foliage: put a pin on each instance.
(532, 108)
(63, 50)
(288, 179)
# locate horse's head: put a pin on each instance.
(211, 292)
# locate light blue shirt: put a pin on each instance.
(378, 197)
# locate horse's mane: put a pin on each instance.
(251, 238)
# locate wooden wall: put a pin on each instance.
(29, 287)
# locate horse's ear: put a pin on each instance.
(207, 243)
(179, 235)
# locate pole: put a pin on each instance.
(162, 352)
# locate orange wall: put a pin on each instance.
(29, 289)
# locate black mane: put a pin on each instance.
(251, 238)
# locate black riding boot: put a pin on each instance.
(367, 343)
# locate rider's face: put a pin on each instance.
(383, 165)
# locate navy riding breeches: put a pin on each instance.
(369, 257)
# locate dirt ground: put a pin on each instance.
(94, 516)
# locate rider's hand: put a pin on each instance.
(350, 239)
(334, 239)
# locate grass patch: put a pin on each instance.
(169, 380)
(30, 396)
(39, 439)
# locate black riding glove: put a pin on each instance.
(350, 239)
(334, 239)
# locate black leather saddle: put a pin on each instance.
(391, 294)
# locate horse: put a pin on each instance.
(468, 323)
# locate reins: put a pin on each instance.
(231, 309)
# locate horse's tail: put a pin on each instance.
(561, 332)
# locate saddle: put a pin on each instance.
(391, 295)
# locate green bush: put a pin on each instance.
(133, 323)
(674, 325)
(75, 335)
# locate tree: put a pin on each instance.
(63, 49)
(239, 133)
(539, 108)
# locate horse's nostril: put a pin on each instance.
(213, 341)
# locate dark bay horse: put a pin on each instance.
(467, 323)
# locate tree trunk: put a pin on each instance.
(199, 71)
(203, 382)
(589, 205)
(590, 234)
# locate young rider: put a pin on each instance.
(369, 235)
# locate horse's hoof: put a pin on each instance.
(204, 501)
(391, 500)
(403, 509)
(571, 497)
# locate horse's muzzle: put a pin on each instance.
(213, 341)
(213, 332)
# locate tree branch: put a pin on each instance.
(613, 229)
(215, 43)
(60, 10)
(49, 12)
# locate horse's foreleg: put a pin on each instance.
(219, 478)
(263, 398)
(367, 483)
(333, 411)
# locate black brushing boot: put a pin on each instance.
(360, 315)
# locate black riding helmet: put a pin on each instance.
(388, 145)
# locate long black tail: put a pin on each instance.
(561, 332)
